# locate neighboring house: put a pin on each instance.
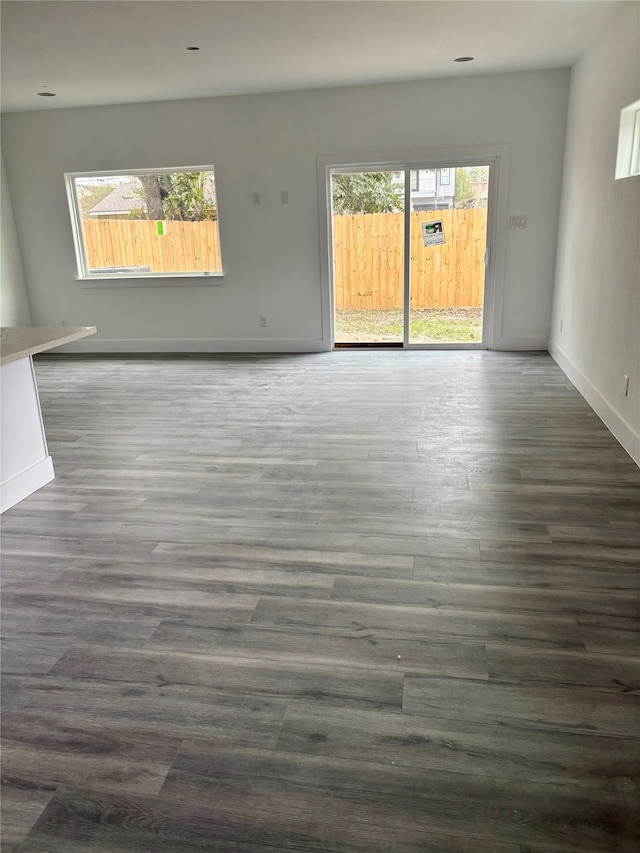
(120, 202)
(433, 189)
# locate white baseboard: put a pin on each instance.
(534, 344)
(26, 483)
(612, 419)
(190, 345)
(240, 345)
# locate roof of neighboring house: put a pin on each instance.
(128, 196)
(123, 199)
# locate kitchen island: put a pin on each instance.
(25, 464)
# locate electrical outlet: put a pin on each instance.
(517, 222)
(263, 321)
(626, 385)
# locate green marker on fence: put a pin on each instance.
(160, 229)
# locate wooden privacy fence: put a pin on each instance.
(367, 248)
(368, 251)
(185, 247)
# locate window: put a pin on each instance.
(445, 177)
(145, 223)
(415, 180)
(628, 159)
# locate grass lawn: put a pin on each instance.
(428, 326)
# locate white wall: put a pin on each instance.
(271, 254)
(14, 303)
(597, 293)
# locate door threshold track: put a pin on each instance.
(363, 345)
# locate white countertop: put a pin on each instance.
(22, 341)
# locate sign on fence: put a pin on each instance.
(433, 232)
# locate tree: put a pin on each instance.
(152, 190)
(468, 184)
(186, 196)
(186, 200)
(464, 188)
(368, 192)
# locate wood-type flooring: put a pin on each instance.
(349, 602)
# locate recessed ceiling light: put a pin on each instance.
(464, 59)
(192, 48)
(46, 94)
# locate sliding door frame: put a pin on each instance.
(496, 156)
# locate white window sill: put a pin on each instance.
(196, 279)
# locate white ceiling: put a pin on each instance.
(92, 52)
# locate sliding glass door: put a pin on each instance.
(369, 257)
(447, 241)
(409, 251)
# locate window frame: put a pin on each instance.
(130, 279)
